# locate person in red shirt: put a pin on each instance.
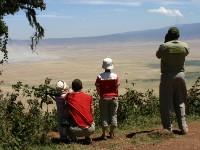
(80, 112)
(107, 87)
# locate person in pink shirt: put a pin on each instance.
(107, 87)
(59, 97)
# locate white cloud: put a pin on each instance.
(55, 16)
(107, 2)
(170, 2)
(125, 3)
(167, 12)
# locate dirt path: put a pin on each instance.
(141, 140)
(190, 141)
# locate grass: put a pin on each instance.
(141, 122)
(62, 147)
(148, 131)
(144, 138)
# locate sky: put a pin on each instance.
(86, 18)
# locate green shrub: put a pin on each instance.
(193, 107)
(25, 123)
(23, 126)
(134, 103)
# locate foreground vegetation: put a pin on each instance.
(26, 119)
(12, 7)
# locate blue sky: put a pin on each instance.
(82, 18)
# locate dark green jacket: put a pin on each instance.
(172, 55)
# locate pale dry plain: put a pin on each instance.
(135, 62)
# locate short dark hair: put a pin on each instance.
(173, 31)
(170, 37)
(76, 85)
(172, 34)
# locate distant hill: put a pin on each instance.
(187, 32)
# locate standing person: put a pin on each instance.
(61, 90)
(80, 113)
(107, 87)
(173, 91)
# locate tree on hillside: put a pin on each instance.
(11, 7)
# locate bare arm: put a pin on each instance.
(98, 89)
(92, 108)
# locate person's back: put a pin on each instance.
(108, 84)
(80, 113)
(172, 89)
(172, 56)
(79, 105)
(61, 91)
(107, 87)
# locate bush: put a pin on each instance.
(23, 126)
(134, 103)
(193, 107)
(24, 122)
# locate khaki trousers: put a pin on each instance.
(173, 94)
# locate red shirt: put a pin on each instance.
(108, 84)
(79, 108)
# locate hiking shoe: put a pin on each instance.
(66, 140)
(184, 131)
(103, 137)
(87, 141)
(65, 124)
(55, 140)
(112, 135)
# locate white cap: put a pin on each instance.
(61, 85)
(107, 64)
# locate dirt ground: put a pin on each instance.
(140, 140)
(190, 141)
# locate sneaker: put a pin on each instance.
(87, 141)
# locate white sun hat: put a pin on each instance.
(61, 85)
(107, 64)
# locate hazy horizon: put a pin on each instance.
(135, 62)
(86, 18)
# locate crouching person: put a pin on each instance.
(80, 113)
(59, 97)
